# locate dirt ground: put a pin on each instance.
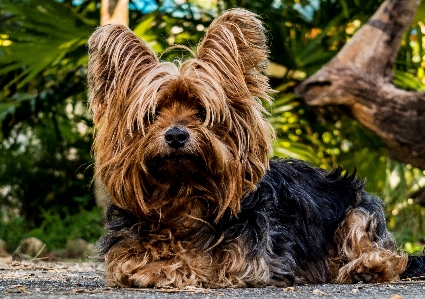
(85, 280)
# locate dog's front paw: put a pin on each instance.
(381, 266)
(146, 278)
(365, 277)
(156, 274)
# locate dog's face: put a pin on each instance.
(187, 139)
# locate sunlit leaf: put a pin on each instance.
(407, 81)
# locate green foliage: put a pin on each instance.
(13, 231)
(55, 230)
(46, 130)
(38, 38)
(62, 32)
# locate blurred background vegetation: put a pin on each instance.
(46, 130)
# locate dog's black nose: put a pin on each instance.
(176, 137)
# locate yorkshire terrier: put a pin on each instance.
(184, 153)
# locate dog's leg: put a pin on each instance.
(155, 264)
(161, 264)
(365, 251)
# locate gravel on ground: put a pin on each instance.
(28, 279)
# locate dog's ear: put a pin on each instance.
(235, 46)
(118, 60)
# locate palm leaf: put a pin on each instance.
(47, 32)
(40, 35)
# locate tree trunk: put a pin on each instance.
(360, 78)
(114, 12)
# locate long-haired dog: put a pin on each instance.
(183, 151)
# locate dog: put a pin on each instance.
(184, 152)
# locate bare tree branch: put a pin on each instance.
(360, 77)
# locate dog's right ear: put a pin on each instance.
(235, 45)
(118, 60)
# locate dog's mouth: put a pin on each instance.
(177, 161)
(176, 157)
(177, 169)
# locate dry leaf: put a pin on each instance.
(354, 291)
(17, 289)
(396, 296)
(292, 289)
(318, 292)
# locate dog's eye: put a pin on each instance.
(150, 117)
(155, 115)
(202, 114)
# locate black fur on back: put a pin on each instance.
(298, 207)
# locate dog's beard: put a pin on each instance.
(178, 167)
(193, 180)
(180, 187)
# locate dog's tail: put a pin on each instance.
(415, 268)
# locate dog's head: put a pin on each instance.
(172, 138)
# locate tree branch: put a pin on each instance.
(360, 77)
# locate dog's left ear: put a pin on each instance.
(118, 61)
(235, 46)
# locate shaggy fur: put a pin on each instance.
(184, 154)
